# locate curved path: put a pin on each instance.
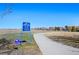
(49, 47)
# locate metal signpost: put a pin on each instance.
(26, 28)
(19, 40)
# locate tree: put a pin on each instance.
(73, 29)
(57, 28)
(66, 28)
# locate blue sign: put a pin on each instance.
(17, 42)
(26, 26)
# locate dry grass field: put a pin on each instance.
(24, 49)
(66, 38)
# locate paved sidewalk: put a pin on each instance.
(49, 47)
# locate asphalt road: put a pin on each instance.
(49, 47)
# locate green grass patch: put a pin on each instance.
(23, 36)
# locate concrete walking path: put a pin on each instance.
(49, 47)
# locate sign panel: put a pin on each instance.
(17, 42)
(26, 26)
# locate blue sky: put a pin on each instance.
(39, 15)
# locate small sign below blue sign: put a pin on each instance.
(26, 26)
(17, 42)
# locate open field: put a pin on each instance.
(28, 48)
(39, 31)
(66, 38)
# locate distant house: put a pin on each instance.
(52, 28)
